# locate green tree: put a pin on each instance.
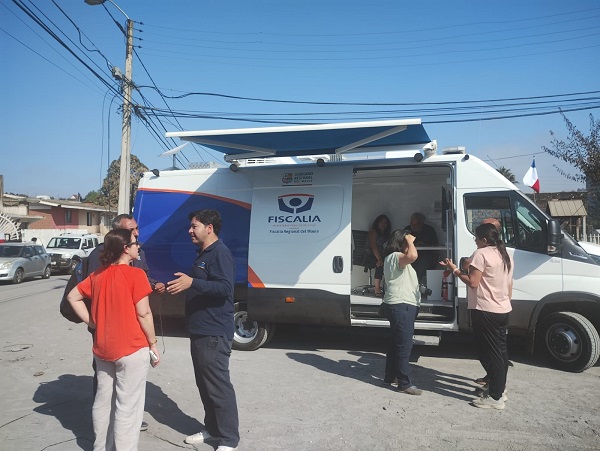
(508, 174)
(92, 197)
(582, 152)
(109, 193)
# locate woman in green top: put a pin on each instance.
(401, 305)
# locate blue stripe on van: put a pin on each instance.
(164, 224)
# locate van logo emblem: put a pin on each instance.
(295, 203)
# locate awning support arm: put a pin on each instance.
(253, 152)
(378, 136)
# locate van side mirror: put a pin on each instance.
(554, 236)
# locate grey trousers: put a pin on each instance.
(119, 403)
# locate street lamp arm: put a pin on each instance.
(102, 2)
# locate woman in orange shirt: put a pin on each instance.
(121, 315)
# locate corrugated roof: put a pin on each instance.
(566, 208)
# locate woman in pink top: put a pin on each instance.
(489, 283)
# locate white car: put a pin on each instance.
(68, 249)
(19, 261)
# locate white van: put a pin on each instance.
(67, 249)
(291, 229)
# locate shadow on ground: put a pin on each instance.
(69, 400)
(375, 340)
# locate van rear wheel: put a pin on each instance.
(248, 335)
(570, 341)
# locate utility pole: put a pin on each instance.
(126, 85)
(125, 172)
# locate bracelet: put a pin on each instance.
(154, 342)
(457, 272)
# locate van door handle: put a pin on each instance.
(338, 264)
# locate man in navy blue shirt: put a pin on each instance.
(209, 320)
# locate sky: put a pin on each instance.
(490, 76)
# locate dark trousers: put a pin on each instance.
(490, 334)
(210, 357)
(402, 327)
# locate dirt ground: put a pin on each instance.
(309, 389)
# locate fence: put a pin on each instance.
(595, 238)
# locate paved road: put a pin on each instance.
(310, 389)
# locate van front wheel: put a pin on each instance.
(248, 335)
(570, 341)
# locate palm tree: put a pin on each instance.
(508, 174)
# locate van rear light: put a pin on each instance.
(290, 299)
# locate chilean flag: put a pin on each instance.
(531, 178)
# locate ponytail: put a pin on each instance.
(505, 257)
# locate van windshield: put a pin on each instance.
(64, 243)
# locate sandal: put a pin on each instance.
(481, 381)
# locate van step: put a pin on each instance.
(427, 340)
(425, 314)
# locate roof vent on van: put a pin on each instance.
(454, 150)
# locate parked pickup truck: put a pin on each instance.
(67, 249)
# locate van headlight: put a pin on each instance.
(67, 256)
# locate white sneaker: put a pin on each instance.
(225, 448)
(200, 437)
(485, 391)
(489, 403)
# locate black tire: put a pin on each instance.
(248, 335)
(570, 341)
(47, 272)
(272, 329)
(19, 275)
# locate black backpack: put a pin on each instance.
(79, 274)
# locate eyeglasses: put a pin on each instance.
(133, 243)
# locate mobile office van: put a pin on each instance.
(296, 231)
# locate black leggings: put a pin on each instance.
(490, 334)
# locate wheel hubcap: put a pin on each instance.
(245, 329)
(564, 342)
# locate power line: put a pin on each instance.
(312, 102)
(38, 21)
(408, 31)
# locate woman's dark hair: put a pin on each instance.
(396, 243)
(114, 244)
(386, 232)
(491, 235)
